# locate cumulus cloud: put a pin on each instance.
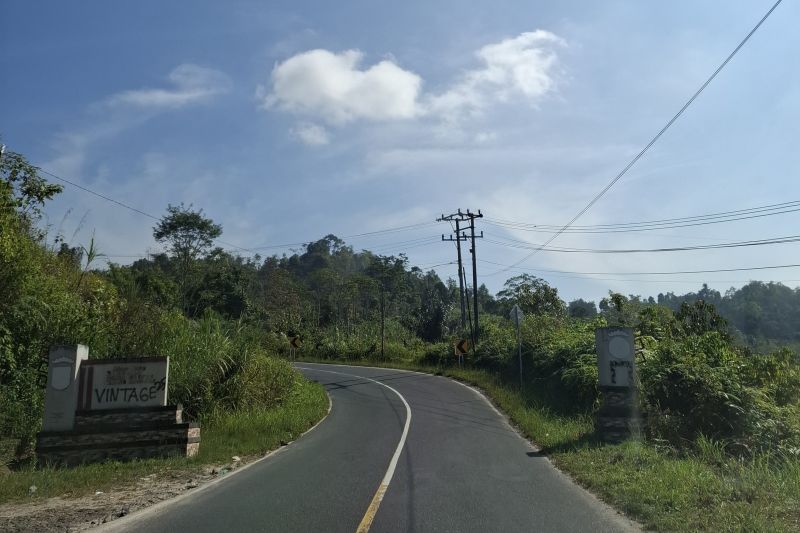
(311, 134)
(190, 84)
(521, 66)
(334, 88)
(337, 89)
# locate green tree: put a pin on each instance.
(700, 317)
(22, 188)
(388, 272)
(533, 295)
(188, 235)
(582, 309)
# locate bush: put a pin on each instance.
(701, 385)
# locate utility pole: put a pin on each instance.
(461, 278)
(459, 236)
(472, 217)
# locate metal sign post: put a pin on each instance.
(461, 348)
(294, 344)
(517, 315)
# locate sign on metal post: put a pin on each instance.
(460, 348)
(294, 343)
(517, 315)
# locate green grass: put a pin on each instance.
(663, 490)
(223, 436)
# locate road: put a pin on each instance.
(454, 465)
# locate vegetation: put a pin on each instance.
(719, 382)
(223, 370)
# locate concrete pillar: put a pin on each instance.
(618, 417)
(61, 394)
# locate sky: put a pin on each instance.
(288, 121)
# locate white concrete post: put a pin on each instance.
(61, 394)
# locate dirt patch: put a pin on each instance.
(86, 512)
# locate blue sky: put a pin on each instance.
(287, 121)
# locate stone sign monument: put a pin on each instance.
(128, 383)
(100, 409)
(618, 417)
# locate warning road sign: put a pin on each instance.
(295, 342)
(462, 347)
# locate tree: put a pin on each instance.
(582, 309)
(188, 235)
(700, 317)
(533, 295)
(388, 272)
(22, 188)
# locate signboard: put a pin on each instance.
(615, 357)
(61, 395)
(517, 315)
(461, 347)
(295, 342)
(123, 383)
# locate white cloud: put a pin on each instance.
(521, 66)
(191, 84)
(311, 134)
(332, 87)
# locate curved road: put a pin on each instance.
(460, 468)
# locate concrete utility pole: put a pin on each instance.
(472, 217)
(459, 236)
(460, 277)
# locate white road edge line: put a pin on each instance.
(369, 516)
(627, 523)
(141, 514)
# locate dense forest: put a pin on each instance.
(225, 319)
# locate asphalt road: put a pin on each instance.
(461, 468)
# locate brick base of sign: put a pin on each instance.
(618, 418)
(120, 435)
(170, 414)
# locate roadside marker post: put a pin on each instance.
(294, 343)
(460, 348)
(517, 315)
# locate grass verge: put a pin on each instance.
(224, 435)
(664, 491)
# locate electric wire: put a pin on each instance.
(252, 249)
(652, 141)
(631, 229)
(737, 244)
(743, 269)
(765, 210)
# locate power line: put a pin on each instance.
(720, 214)
(630, 227)
(645, 273)
(717, 246)
(122, 204)
(356, 235)
(654, 139)
(95, 193)
(251, 250)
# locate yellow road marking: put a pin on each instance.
(366, 522)
(372, 510)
